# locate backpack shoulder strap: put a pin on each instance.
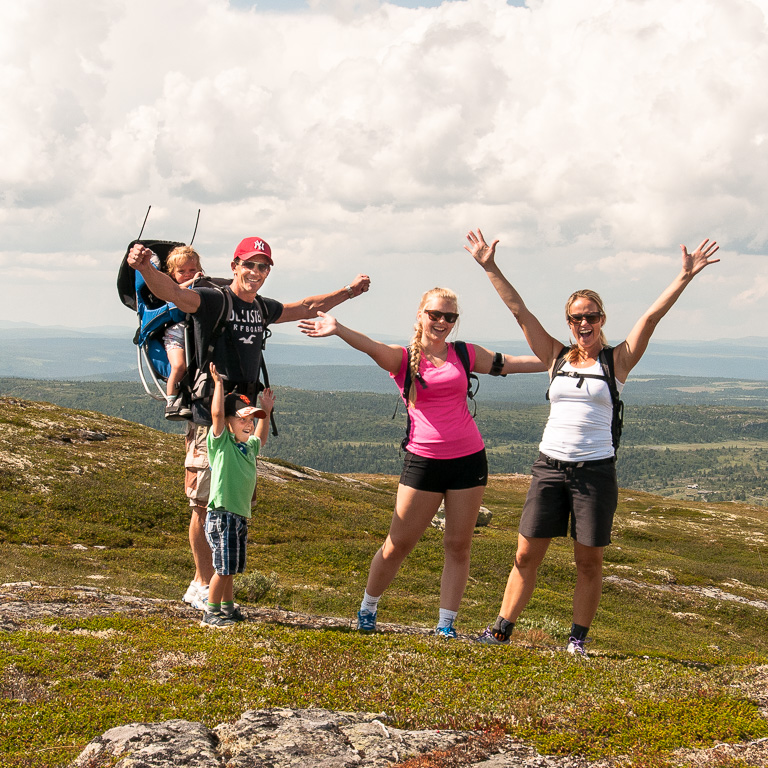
(408, 379)
(558, 366)
(617, 422)
(218, 327)
(473, 382)
(463, 354)
(267, 330)
(606, 362)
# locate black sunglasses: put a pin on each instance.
(449, 317)
(255, 265)
(590, 317)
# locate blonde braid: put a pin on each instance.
(415, 361)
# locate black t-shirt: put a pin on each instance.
(237, 350)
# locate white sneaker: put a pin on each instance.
(576, 647)
(191, 594)
(201, 598)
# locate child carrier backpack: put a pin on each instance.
(155, 315)
(473, 385)
(605, 358)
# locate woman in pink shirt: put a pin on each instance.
(444, 451)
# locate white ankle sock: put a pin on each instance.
(447, 617)
(369, 603)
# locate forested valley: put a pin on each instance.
(714, 452)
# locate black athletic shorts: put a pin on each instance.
(560, 492)
(441, 475)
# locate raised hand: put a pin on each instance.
(267, 400)
(215, 375)
(481, 252)
(694, 262)
(139, 256)
(360, 284)
(322, 325)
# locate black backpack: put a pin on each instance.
(154, 316)
(473, 385)
(197, 378)
(605, 358)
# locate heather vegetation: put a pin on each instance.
(679, 652)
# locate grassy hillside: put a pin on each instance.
(680, 652)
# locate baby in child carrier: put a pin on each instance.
(183, 265)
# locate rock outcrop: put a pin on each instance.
(283, 738)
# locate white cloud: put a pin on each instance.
(591, 138)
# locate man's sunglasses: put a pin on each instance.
(449, 317)
(254, 265)
(590, 317)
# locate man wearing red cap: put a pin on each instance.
(236, 354)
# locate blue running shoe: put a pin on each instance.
(447, 632)
(366, 621)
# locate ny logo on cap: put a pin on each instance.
(258, 245)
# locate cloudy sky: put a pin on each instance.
(592, 137)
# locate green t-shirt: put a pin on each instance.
(233, 473)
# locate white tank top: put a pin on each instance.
(579, 423)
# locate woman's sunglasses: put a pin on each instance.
(590, 317)
(449, 317)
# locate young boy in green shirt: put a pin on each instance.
(234, 440)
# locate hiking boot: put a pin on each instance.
(235, 614)
(576, 647)
(177, 410)
(447, 632)
(191, 594)
(217, 620)
(366, 621)
(201, 598)
(488, 638)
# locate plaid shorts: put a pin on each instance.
(227, 535)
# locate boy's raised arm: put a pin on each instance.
(219, 422)
(267, 403)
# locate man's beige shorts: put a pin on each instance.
(197, 472)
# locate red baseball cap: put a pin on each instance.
(253, 246)
(240, 405)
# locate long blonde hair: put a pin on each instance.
(434, 293)
(586, 293)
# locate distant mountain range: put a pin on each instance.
(108, 353)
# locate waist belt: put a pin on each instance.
(557, 464)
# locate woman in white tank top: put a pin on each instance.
(574, 479)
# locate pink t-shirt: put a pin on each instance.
(441, 425)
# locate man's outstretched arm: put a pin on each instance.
(309, 307)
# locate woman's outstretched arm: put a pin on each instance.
(544, 346)
(512, 363)
(629, 352)
(386, 356)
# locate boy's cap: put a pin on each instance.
(253, 246)
(240, 405)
